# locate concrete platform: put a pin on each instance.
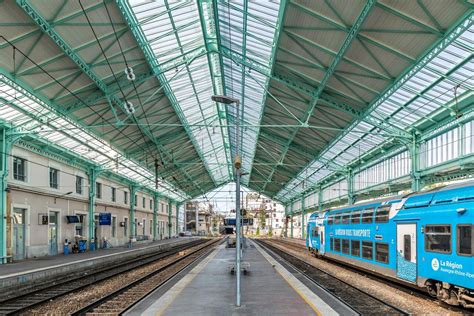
(209, 289)
(34, 271)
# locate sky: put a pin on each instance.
(223, 198)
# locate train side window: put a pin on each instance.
(337, 244)
(345, 218)
(355, 248)
(367, 216)
(367, 250)
(465, 240)
(331, 242)
(330, 220)
(337, 219)
(345, 246)
(355, 217)
(381, 252)
(407, 247)
(382, 214)
(438, 238)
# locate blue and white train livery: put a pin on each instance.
(424, 239)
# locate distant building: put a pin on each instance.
(268, 215)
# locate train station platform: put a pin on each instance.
(37, 270)
(209, 288)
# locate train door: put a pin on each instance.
(406, 252)
(322, 239)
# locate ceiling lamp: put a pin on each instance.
(129, 108)
(129, 73)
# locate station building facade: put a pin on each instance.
(48, 202)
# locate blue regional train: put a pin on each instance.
(424, 240)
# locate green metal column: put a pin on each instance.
(320, 199)
(178, 205)
(170, 225)
(350, 187)
(155, 216)
(133, 192)
(92, 186)
(303, 229)
(414, 150)
(4, 187)
(291, 223)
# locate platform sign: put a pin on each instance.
(105, 219)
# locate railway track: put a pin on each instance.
(360, 301)
(399, 286)
(121, 300)
(34, 297)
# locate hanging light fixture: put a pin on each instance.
(129, 73)
(129, 108)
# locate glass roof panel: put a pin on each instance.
(29, 114)
(193, 87)
(427, 90)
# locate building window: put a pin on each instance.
(382, 214)
(125, 197)
(125, 227)
(53, 178)
(114, 194)
(19, 169)
(136, 199)
(381, 252)
(438, 238)
(151, 204)
(151, 227)
(367, 216)
(80, 226)
(114, 226)
(355, 248)
(79, 184)
(144, 202)
(98, 190)
(367, 250)
(143, 228)
(167, 208)
(465, 240)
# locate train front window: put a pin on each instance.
(355, 248)
(367, 216)
(355, 217)
(345, 218)
(438, 238)
(382, 214)
(330, 220)
(345, 246)
(337, 244)
(367, 250)
(465, 242)
(381, 252)
(315, 232)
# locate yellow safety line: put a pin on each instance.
(290, 283)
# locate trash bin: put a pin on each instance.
(82, 245)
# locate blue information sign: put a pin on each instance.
(105, 219)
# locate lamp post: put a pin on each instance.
(237, 164)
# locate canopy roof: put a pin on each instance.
(321, 84)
